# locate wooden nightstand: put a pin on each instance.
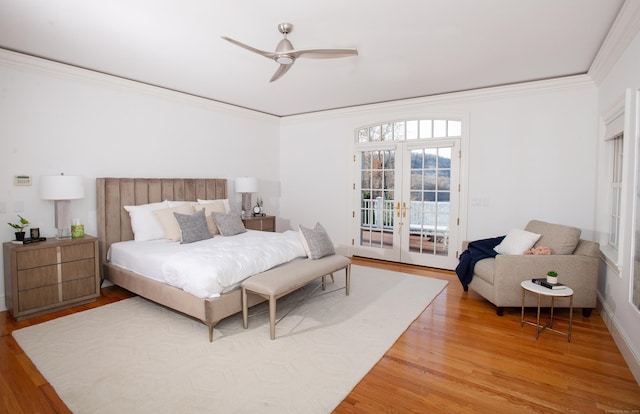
(47, 276)
(262, 223)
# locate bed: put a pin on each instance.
(114, 225)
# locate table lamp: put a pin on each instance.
(246, 186)
(62, 189)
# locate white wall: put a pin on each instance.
(55, 118)
(622, 318)
(531, 154)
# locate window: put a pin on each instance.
(616, 190)
(410, 130)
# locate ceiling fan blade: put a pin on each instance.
(269, 55)
(323, 53)
(282, 69)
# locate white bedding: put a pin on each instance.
(210, 267)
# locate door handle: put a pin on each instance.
(398, 208)
(404, 210)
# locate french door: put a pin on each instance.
(407, 198)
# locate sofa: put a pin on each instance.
(498, 278)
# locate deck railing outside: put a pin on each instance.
(425, 216)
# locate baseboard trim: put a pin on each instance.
(620, 339)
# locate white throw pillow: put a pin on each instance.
(144, 223)
(516, 242)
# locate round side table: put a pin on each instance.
(566, 292)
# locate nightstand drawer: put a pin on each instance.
(77, 252)
(38, 298)
(28, 259)
(78, 288)
(78, 269)
(37, 277)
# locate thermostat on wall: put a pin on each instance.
(21, 180)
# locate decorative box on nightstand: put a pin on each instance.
(50, 275)
(262, 223)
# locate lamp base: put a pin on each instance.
(63, 218)
(246, 204)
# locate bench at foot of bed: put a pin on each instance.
(284, 279)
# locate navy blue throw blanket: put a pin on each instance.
(476, 251)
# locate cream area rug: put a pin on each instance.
(134, 356)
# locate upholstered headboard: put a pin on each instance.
(114, 224)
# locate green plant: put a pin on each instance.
(19, 227)
(552, 273)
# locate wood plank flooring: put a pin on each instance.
(457, 357)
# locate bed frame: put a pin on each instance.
(114, 225)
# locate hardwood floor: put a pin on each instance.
(458, 356)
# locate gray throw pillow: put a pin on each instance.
(228, 224)
(193, 227)
(316, 242)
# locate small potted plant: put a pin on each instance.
(552, 277)
(19, 227)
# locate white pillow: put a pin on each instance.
(144, 224)
(516, 242)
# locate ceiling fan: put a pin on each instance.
(286, 55)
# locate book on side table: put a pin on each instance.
(543, 282)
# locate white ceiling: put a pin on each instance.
(407, 48)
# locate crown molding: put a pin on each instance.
(624, 29)
(518, 89)
(60, 70)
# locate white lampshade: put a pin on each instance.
(246, 185)
(61, 187)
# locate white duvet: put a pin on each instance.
(210, 267)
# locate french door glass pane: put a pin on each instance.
(377, 197)
(429, 198)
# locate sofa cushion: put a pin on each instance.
(559, 238)
(517, 241)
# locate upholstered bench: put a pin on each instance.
(284, 279)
